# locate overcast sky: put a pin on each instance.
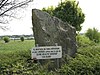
(24, 25)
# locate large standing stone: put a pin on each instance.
(49, 30)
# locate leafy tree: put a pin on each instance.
(68, 11)
(6, 39)
(93, 35)
(22, 38)
(8, 7)
(49, 10)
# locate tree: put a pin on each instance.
(8, 7)
(69, 11)
(22, 38)
(6, 39)
(93, 35)
(49, 10)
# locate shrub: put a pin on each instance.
(22, 38)
(93, 35)
(83, 41)
(6, 39)
(87, 62)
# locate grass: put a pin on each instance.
(16, 45)
(15, 50)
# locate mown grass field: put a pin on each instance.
(16, 45)
(14, 50)
(15, 54)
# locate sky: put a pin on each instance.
(23, 26)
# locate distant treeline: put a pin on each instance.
(16, 37)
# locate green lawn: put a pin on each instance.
(16, 45)
(15, 50)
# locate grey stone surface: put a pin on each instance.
(49, 30)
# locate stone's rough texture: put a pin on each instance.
(49, 30)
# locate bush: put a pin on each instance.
(22, 38)
(93, 35)
(87, 62)
(6, 39)
(83, 41)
